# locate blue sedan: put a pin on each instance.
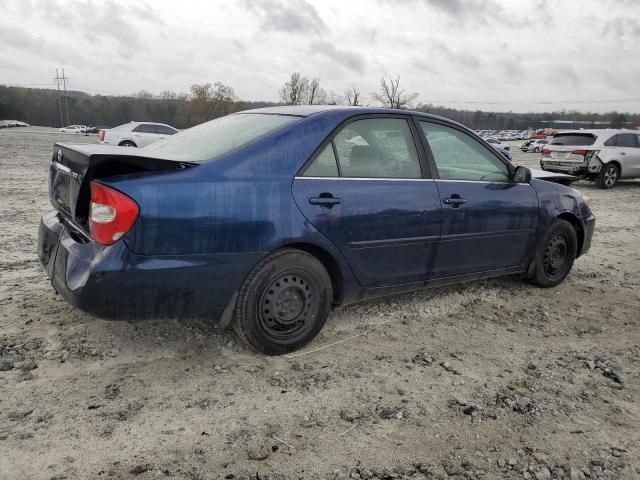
(265, 220)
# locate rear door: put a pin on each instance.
(368, 190)
(488, 222)
(162, 131)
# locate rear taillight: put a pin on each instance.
(546, 152)
(101, 135)
(587, 154)
(112, 214)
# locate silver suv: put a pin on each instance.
(603, 156)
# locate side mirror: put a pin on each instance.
(522, 175)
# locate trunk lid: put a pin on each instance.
(74, 166)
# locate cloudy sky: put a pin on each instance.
(529, 55)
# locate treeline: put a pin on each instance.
(208, 101)
(42, 107)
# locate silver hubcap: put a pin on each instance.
(610, 176)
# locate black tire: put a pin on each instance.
(608, 176)
(536, 150)
(283, 303)
(127, 143)
(555, 255)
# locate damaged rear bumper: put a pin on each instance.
(114, 283)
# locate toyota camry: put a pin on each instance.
(265, 220)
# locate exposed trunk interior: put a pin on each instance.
(73, 167)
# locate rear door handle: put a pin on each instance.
(623, 153)
(455, 201)
(326, 202)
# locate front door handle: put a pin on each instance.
(455, 201)
(623, 153)
(325, 200)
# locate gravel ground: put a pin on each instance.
(491, 379)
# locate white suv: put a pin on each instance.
(603, 156)
(135, 134)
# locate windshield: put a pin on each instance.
(215, 138)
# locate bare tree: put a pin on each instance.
(353, 96)
(294, 91)
(391, 95)
(333, 99)
(223, 93)
(313, 91)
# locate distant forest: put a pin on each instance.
(206, 101)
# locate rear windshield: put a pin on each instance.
(215, 138)
(573, 139)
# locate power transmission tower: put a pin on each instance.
(57, 80)
(62, 80)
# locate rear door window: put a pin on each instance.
(164, 130)
(324, 165)
(144, 128)
(377, 148)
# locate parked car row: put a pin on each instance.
(135, 134)
(534, 145)
(83, 129)
(506, 135)
(12, 123)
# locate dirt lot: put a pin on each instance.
(493, 379)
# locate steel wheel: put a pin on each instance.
(283, 302)
(555, 255)
(285, 306)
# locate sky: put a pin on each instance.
(500, 55)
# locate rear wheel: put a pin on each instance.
(127, 143)
(555, 255)
(608, 176)
(284, 302)
(536, 150)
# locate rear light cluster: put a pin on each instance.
(101, 135)
(111, 215)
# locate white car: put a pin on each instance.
(72, 129)
(603, 156)
(537, 145)
(135, 134)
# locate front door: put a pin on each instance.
(366, 192)
(488, 222)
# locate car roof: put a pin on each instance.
(597, 131)
(308, 110)
(135, 124)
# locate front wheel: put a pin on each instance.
(127, 143)
(284, 302)
(608, 176)
(555, 255)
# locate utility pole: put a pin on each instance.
(62, 80)
(57, 79)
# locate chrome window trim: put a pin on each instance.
(403, 180)
(383, 179)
